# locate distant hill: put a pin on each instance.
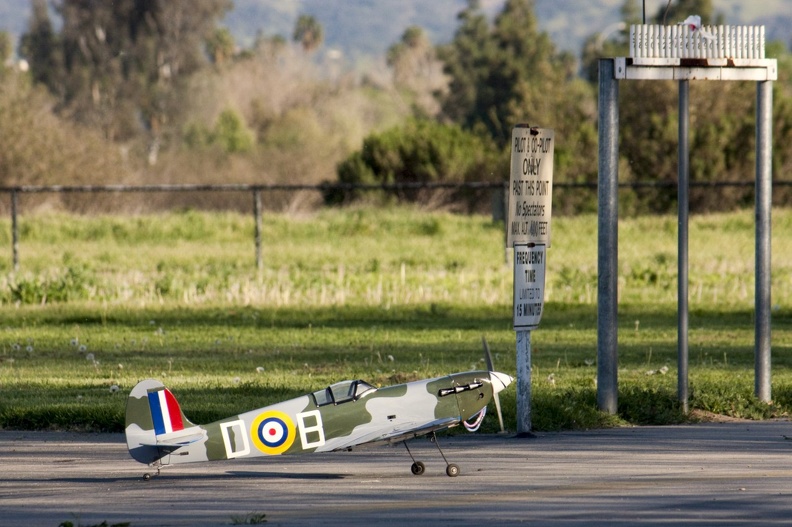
(369, 27)
(364, 29)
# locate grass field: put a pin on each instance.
(385, 295)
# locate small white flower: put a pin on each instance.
(664, 370)
(74, 341)
(90, 357)
(114, 388)
(390, 358)
(15, 346)
(29, 348)
(82, 347)
(236, 380)
(260, 369)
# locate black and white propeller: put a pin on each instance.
(491, 368)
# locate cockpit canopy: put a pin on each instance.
(342, 392)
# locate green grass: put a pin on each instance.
(383, 295)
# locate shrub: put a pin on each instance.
(421, 151)
(230, 133)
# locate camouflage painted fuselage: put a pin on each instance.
(343, 416)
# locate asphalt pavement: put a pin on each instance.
(736, 473)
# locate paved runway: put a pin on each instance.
(708, 474)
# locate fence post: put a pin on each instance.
(14, 231)
(257, 214)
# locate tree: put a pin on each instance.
(504, 74)
(527, 74)
(417, 70)
(509, 73)
(220, 46)
(308, 32)
(43, 149)
(122, 60)
(467, 63)
(40, 47)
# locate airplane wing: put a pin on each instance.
(400, 433)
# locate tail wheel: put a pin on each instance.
(452, 470)
(418, 468)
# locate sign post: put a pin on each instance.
(528, 232)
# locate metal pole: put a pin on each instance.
(523, 382)
(257, 214)
(14, 231)
(682, 241)
(764, 191)
(505, 201)
(608, 239)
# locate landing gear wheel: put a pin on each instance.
(452, 470)
(148, 475)
(418, 468)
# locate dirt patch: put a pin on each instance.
(703, 416)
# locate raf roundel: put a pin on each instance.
(273, 432)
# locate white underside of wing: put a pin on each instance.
(401, 432)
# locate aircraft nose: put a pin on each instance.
(499, 381)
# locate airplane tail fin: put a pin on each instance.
(155, 423)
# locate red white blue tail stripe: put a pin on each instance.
(165, 412)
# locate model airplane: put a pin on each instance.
(342, 416)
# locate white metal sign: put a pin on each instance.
(529, 284)
(530, 186)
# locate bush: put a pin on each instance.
(421, 151)
(230, 133)
(72, 283)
